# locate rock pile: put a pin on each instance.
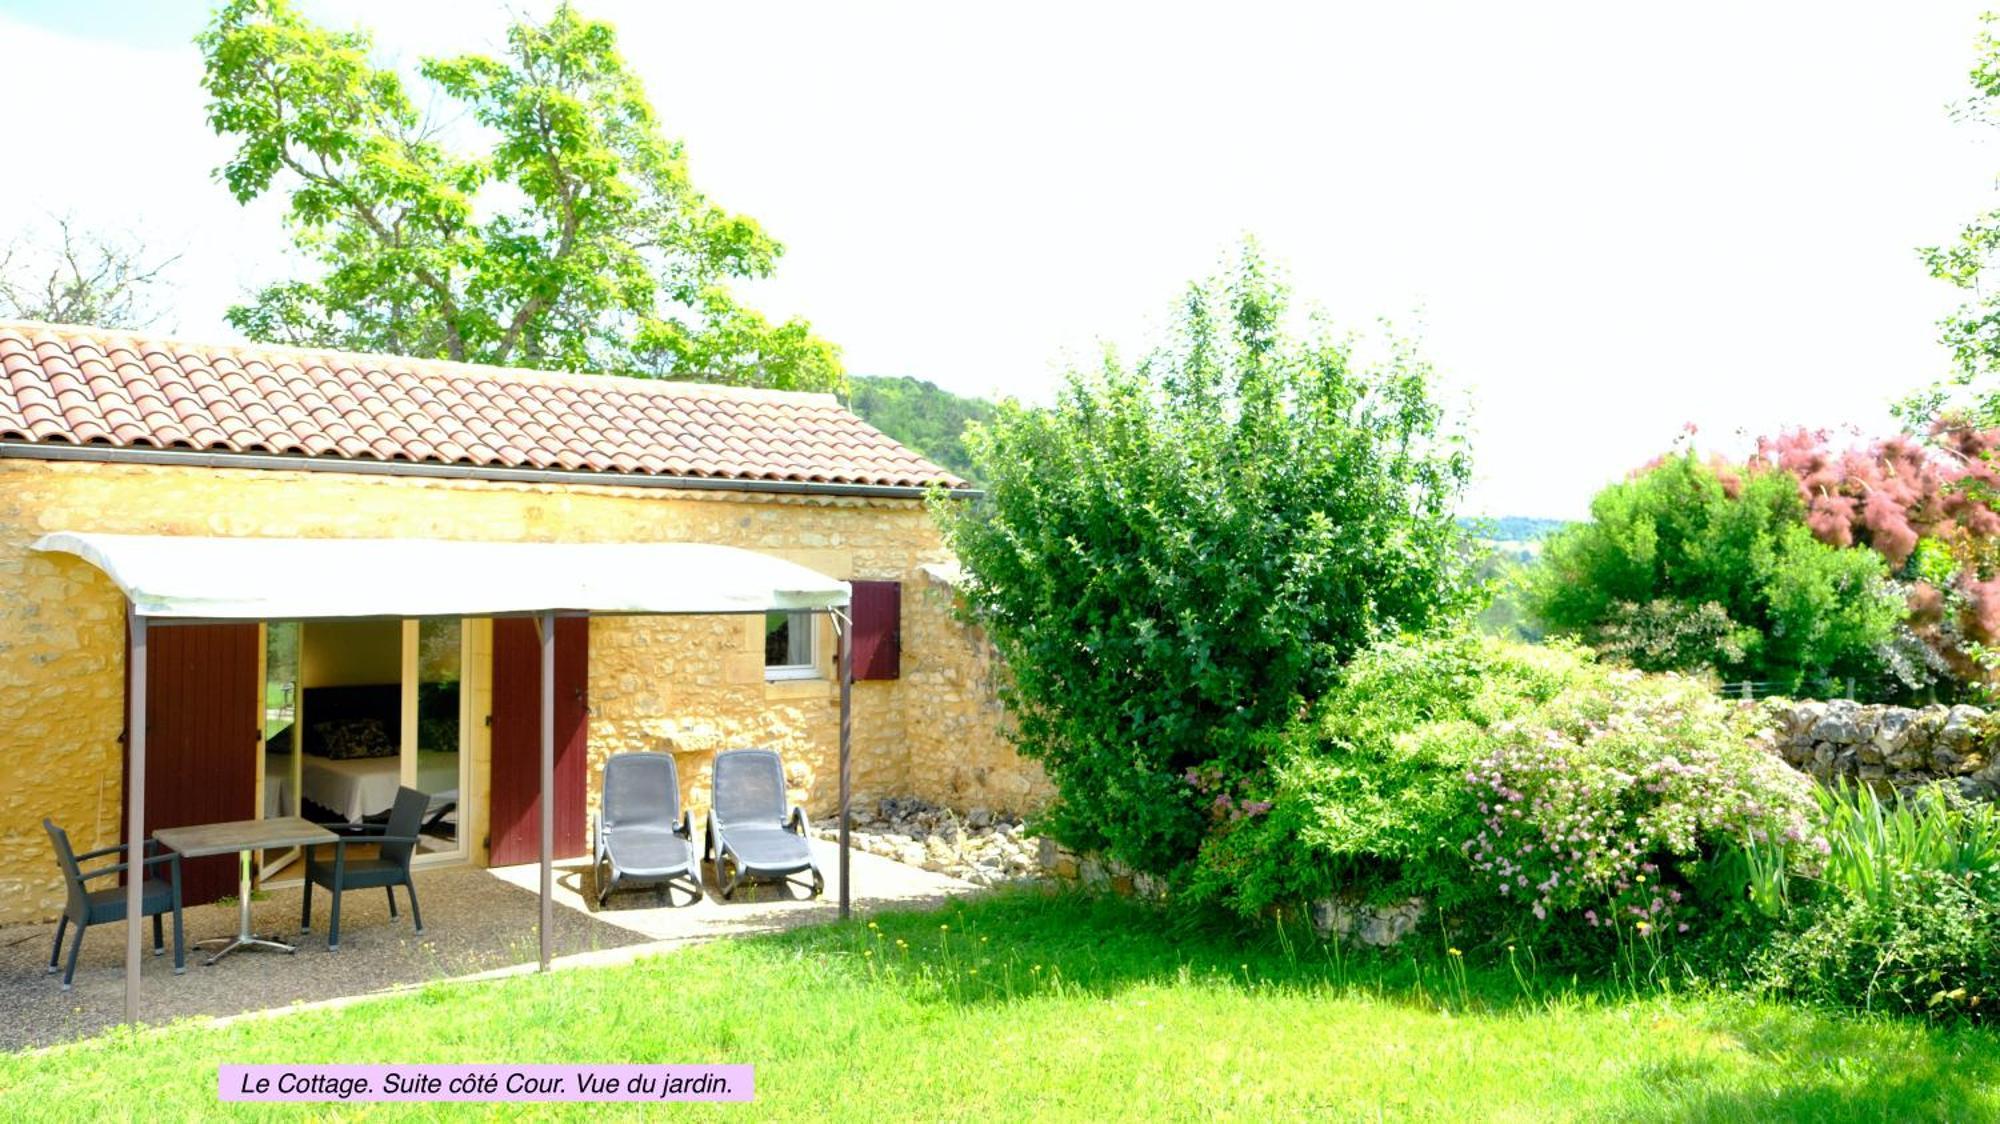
(978, 846)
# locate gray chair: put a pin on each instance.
(639, 839)
(89, 907)
(396, 843)
(748, 827)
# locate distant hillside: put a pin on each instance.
(1516, 537)
(1512, 528)
(922, 415)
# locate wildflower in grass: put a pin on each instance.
(1455, 952)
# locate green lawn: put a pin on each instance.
(1028, 1007)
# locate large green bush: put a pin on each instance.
(1685, 568)
(1176, 558)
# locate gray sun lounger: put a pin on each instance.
(748, 827)
(639, 836)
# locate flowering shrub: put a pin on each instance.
(1601, 808)
(1364, 795)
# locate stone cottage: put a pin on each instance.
(119, 432)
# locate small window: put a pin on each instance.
(788, 646)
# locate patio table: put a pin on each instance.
(243, 837)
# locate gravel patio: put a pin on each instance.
(476, 921)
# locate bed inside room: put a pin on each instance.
(352, 728)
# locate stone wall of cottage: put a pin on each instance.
(690, 685)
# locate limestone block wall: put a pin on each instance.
(955, 759)
(62, 682)
(690, 685)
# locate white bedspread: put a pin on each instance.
(363, 786)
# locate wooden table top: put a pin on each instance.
(243, 835)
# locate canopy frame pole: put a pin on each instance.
(135, 809)
(547, 621)
(844, 628)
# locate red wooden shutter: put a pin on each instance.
(514, 802)
(878, 629)
(202, 741)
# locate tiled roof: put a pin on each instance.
(92, 386)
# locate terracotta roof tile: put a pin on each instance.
(81, 385)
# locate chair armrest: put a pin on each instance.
(686, 828)
(362, 841)
(118, 849)
(797, 820)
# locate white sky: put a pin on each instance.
(1605, 222)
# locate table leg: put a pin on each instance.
(244, 938)
(242, 895)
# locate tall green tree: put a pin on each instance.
(1972, 332)
(554, 226)
(1177, 557)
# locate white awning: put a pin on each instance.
(192, 577)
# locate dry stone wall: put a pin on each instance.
(1889, 747)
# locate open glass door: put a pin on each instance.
(280, 775)
(440, 763)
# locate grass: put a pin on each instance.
(1021, 1006)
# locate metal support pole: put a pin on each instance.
(846, 630)
(135, 810)
(548, 629)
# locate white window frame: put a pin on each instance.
(774, 672)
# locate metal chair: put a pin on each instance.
(748, 827)
(88, 907)
(396, 843)
(639, 837)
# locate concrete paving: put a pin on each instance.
(476, 922)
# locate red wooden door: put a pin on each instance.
(515, 834)
(202, 739)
